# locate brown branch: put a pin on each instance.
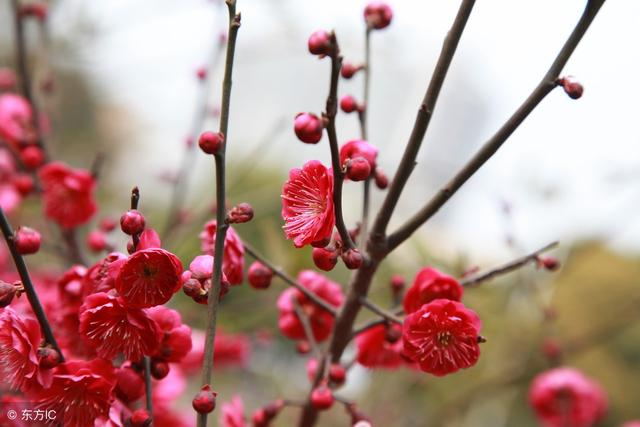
(546, 85)
(373, 323)
(508, 267)
(362, 116)
(222, 225)
(423, 118)
(306, 325)
(289, 280)
(386, 315)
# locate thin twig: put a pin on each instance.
(30, 290)
(380, 311)
(508, 267)
(306, 325)
(222, 225)
(289, 280)
(362, 116)
(375, 322)
(147, 385)
(546, 85)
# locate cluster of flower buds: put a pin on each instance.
(196, 282)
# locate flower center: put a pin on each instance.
(443, 338)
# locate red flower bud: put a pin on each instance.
(7, 291)
(205, 400)
(397, 283)
(358, 169)
(325, 259)
(140, 418)
(107, 224)
(381, 179)
(23, 183)
(96, 241)
(159, 369)
(348, 104)
(551, 349)
(337, 373)
(378, 15)
(393, 333)
(308, 128)
(550, 263)
(352, 259)
(321, 243)
(322, 398)
(210, 142)
(7, 79)
(27, 241)
(259, 418)
(48, 357)
(201, 73)
(259, 275)
(132, 222)
(193, 288)
(348, 70)
(34, 10)
(303, 347)
(572, 87)
(320, 43)
(241, 213)
(32, 157)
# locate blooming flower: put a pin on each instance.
(375, 349)
(16, 119)
(307, 204)
(9, 195)
(81, 391)
(320, 319)
(111, 328)
(19, 341)
(442, 337)
(429, 285)
(232, 413)
(68, 194)
(148, 277)
(566, 397)
(176, 338)
(233, 258)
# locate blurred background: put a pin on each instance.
(126, 86)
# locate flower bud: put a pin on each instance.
(571, 87)
(358, 169)
(549, 263)
(96, 241)
(393, 333)
(397, 284)
(378, 15)
(259, 275)
(159, 369)
(32, 157)
(201, 73)
(322, 398)
(320, 43)
(129, 385)
(193, 288)
(48, 357)
(308, 128)
(325, 259)
(7, 79)
(241, 213)
(205, 401)
(7, 292)
(348, 70)
(272, 409)
(352, 259)
(140, 418)
(381, 179)
(348, 104)
(259, 418)
(337, 374)
(23, 183)
(321, 243)
(27, 241)
(132, 222)
(210, 142)
(107, 224)
(34, 10)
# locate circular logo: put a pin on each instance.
(11, 414)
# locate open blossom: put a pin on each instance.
(19, 341)
(307, 204)
(232, 413)
(81, 391)
(9, 193)
(148, 277)
(442, 337)
(68, 194)
(429, 285)
(111, 328)
(566, 397)
(233, 259)
(377, 350)
(16, 119)
(176, 338)
(320, 319)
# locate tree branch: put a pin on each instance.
(306, 325)
(546, 85)
(386, 315)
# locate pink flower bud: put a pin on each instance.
(193, 288)
(393, 333)
(205, 400)
(337, 374)
(381, 179)
(352, 259)
(132, 222)
(549, 263)
(7, 79)
(48, 357)
(325, 259)
(201, 73)
(159, 369)
(378, 15)
(96, 241)
(397, 283)
(259, 275)
(572, 87)
(348, 70)
(241, 213)
(34, 10)
(358, 169)
(32, 157)
(210, 142)
(27, 241)
(107, 224)
(259, 418)
(140, 418)
(348, 104)
(320, 43)
(308, 128)
(322, 398)
(23, 183)
(303, 347)
(7, 291)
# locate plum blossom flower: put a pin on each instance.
(16, 119)
(233, 259)
(376, 350)
(359, 148)
(429, 285)
(176, 338)
(442, 337)
(232, 413)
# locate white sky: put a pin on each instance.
(571, 171)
